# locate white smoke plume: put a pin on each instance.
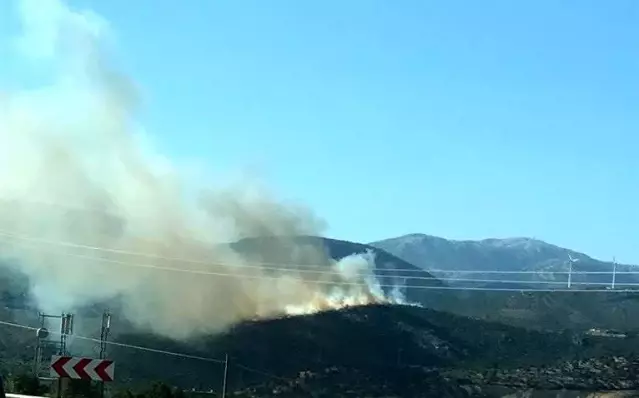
(90, 214)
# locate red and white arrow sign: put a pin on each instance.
(82, 368)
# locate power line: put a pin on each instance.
(347, 283)
(153, 350)
(113, 343)
(260, 264)
(253, 370)
(253, 264)
(319, 272)
(302, 268)
(223, 274)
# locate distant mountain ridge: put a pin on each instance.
(541, 264)
(302, 250)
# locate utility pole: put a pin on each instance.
(104, 335)
(570, 264)
(41, 334)
(614, 272)
(226, 369)
(66, 328)
(45, 344)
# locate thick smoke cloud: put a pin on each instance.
(88, 213)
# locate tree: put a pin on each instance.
(159, 390)
(27, 384)
(81, 388)
(179, 393)
(155, 390)
(125, 394)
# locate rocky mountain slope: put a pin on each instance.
(543, 265)
(375, 351)
(544, 310)
(383, 349)
(608, 377)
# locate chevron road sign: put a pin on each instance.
(82, 368)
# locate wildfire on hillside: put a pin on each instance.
(335, 302)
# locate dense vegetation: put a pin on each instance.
(382, 349)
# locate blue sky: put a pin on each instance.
(462, 119)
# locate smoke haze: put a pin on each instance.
(89, 213)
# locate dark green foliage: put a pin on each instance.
(178, 393)
(375, 348)
(81, 389)
(27, 384)
(375, 340)
(154, 390)
(159, 390)
(543, 310)
(124, 393)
